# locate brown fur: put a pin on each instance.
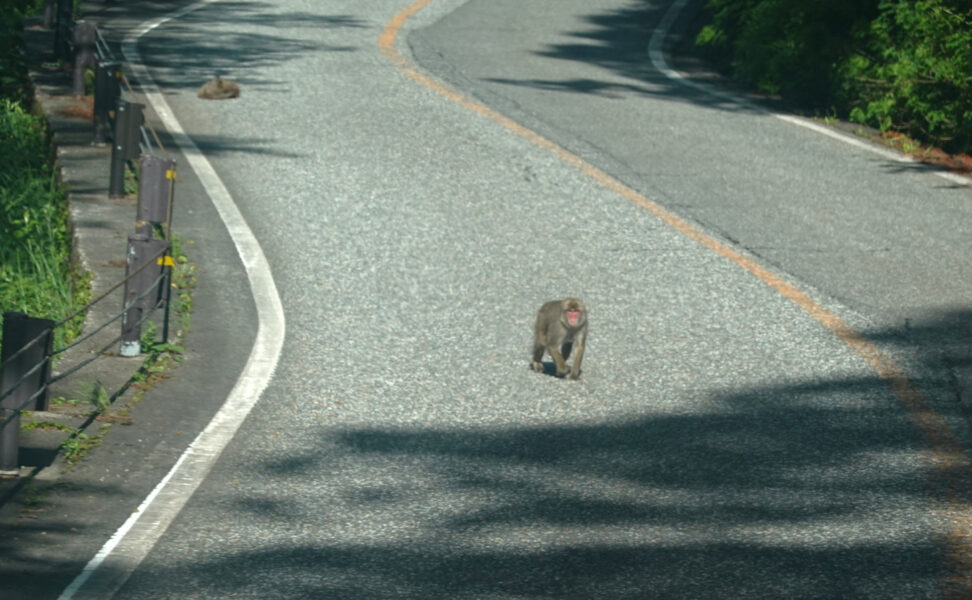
(219, 89)
(555, 334)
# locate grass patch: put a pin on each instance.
(45, 426)
(76, 446)
(97, 396)
(36, 274)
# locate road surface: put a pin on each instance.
(743, 426)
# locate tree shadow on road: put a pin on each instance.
(813, 489)
(618, 40)
(230, 38)
(233, 40)
(806, 489)
(776, 494)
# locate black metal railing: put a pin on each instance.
(27, 353)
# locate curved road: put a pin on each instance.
(728, 439)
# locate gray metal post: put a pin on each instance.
(17, 384)
(9, 441)
(143, 288)
(128, 121)
(48, 14)
(169, 264)
(85, 37)
(62, 29)
(107, 93)
(157, 177)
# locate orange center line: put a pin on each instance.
(948, 455)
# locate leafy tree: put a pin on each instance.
(787, 47)
(913, 71)
(901, 64)
(13, 82)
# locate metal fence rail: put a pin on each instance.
(47, 359)
(27, 353)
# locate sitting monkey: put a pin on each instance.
(219, 89)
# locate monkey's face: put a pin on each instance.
(574, 313)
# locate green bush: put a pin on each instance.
(786, 47)
(13, 80)
(35, 271)
(24, 175)
(913, 71)
(901, 64)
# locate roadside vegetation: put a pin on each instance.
(36, 275)
(896, 65)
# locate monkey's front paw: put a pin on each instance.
(537, 366)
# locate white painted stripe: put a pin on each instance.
(656, 53)
(120, 556)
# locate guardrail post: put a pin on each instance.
(62, 29)
(48, 14)
(18, 360)
(139, 295)
(85, 37)
(155, 188)
(107, 93)
(128, 121)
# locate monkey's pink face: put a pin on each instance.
(573, 316)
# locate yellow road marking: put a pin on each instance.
(948, 456)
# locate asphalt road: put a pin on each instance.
(722, 442)
(881, 237)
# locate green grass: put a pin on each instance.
(36, 274)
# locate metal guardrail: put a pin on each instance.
(27, 352)
(16, 324)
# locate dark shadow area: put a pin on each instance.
(39, 531)
(926, 168)
(618, 40)
(37, 457)
(227, 144)
(184, 54)
(262, 13)
(187, 48)
(942, 344)
(583, 86)
(583, 571)
(779, 491)
(226, 55)
(784, 491)
(550, 369)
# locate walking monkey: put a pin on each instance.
(561, 325)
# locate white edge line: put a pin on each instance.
(656, 54)
(133, 540)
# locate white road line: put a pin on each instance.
(120, 556)
(656, 53)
